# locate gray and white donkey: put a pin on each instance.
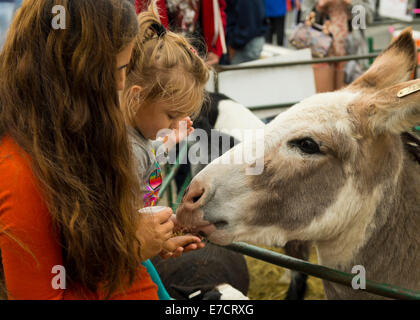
(339, 171)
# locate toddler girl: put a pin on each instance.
(164, 86)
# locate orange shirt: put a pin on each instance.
(24, 216)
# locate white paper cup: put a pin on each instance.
(155, 209)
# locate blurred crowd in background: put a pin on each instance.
(235, 31)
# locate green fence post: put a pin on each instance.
(182, 191)
(370, 48)
(169, 192)
(170, 174)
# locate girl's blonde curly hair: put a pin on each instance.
(167, 68)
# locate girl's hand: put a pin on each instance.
(183, 129)
(154, 229)
(176, 246)
(180, 130)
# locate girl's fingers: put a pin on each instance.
(176, 249)
(163, 216)
(190, 247)
(181, 241)
(166, 236)
(165, 231)
(178, 252)
(166, 228)
(194, 246)
(166, 255)
(185, 240)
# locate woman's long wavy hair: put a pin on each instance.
(59, 103)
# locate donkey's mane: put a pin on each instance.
(412, 145)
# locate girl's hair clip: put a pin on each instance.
(194, 51)
(158, 28)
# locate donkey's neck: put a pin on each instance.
(348, 224)
(385, 241)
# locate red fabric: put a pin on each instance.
(25, 217)
(207, 22)
(288, 5)
(141, 5)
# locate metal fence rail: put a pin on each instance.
(297, 62)
(322, 272)
(221, 69)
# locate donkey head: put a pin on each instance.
(328, 162)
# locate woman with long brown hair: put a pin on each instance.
(68, 196)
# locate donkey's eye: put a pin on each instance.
(306, 145)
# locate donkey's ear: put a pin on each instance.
(392, 66)
(394, 109)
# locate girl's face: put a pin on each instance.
(154, 117)
(123, 59)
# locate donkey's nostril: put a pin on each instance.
(195, 195)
